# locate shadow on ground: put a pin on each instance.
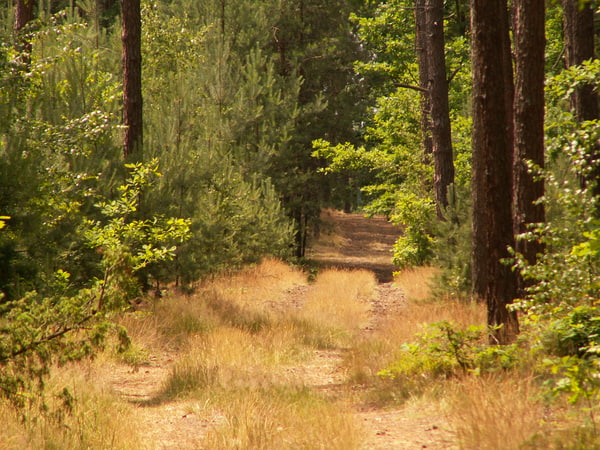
(352, 241)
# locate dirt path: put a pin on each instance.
(347, 241)
(355, 242)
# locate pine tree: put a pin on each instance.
(493, 281)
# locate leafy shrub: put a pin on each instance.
(447, 351)
(39, 330)
(416, 215)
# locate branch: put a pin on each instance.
(410, 86)
(453, 74)
(50, 337)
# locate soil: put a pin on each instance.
(347, 241)
(354, 241)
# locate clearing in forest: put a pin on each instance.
(265, 359)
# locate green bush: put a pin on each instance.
(446, 350)
(37, 330)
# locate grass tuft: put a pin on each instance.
(417, 282)
(284, 417)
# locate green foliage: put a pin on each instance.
(559, 314)
(577, 379)
(60, 326)
(445, 350)
(58, 119)
(218, 130)
(564, 84)
(452, 245)
(391, 168)
(415, 214)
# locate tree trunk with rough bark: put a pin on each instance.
(440, 113)
(423, 61)
(132, 78)
(493, 281)
(23, 15)
(578, 28)
(529, 48)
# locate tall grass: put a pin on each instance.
(248, 374)
(374, 352)
(497, 412)
(417, 282)
(284, 417)
(86, 415)
(341, 298)
(244, 349)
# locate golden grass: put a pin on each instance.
(257, 286)
(242, 355)
(231, 358)
(497, 412)
(373, 353)
(243, 371)
(416, 282)
(284, 418)
(95, 419)
(341, 299)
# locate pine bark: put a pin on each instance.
(578, 28)
(528, 121)
(493, 281)
(441, 135)
(132, 78)
(421, 45)
(23, 15)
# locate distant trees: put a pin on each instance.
(23, 13)
(422, 47)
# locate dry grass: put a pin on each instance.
(377, 351)
(494, 413)
(242, 372)
(416, 282)
(257, 286)
(341, 298)
(285, 417)
(230, 358)
(234, 355)
(95, 419)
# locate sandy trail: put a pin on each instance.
(348, 241)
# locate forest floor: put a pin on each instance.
(348, 241)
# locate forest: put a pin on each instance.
(150, 148)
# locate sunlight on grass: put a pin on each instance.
(416, 282)
(284, 417)
(229, 357)
(94, 419)
(372, 353)
(341, 298)
(496, 412)
(257, 286)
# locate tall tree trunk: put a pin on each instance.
(528, 122)
(421, 44)
(578, 27)
(440, 113)
(132, 78)
(23, 15)
(493, 281)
